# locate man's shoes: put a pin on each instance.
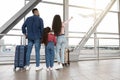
(38, 68)
(27, 68)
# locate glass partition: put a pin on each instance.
(55, 1)
(82, 19)
(83, 3)
(47, 12)
(109, 23)
(9, 8)
(84, 15)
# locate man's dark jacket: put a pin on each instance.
(33, 27)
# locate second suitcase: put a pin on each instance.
(66, 57)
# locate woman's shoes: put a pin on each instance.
(59, 66)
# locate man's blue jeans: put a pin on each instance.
(49, 54)
(37, 51)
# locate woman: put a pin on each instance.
(59, 29)
(49, 40)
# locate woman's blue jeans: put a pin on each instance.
(60, 48)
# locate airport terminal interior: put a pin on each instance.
(93, 39)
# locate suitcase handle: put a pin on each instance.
(23, 40)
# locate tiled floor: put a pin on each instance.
(82, 70)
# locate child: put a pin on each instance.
(49, 40)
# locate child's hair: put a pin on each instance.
(45, 35)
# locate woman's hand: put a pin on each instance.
(67, 21)
(71, 17)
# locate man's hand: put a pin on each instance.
(25, 36)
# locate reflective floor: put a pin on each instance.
(82, 70)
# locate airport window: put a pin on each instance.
(83, 19)
(109, 23)
(55, 1)
(115, 7)
(47, 12)
(101, 4)
(8, 9)
(44, 10)
(83, 3)
(84, 13)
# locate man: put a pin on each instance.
(33, 30)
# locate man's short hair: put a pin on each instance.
(35, 9)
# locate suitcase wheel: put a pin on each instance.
(67, 64)
(14, 69)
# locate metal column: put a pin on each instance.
(94, 27)
(65, 17)
(119, 22)
(95, 35)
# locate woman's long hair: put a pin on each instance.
(57, 24)
(45, 35)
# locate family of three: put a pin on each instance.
(33, 29)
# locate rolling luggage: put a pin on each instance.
(20, 56)
(66, 58)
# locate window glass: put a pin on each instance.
(84, 3)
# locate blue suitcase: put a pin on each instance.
(20, 56)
